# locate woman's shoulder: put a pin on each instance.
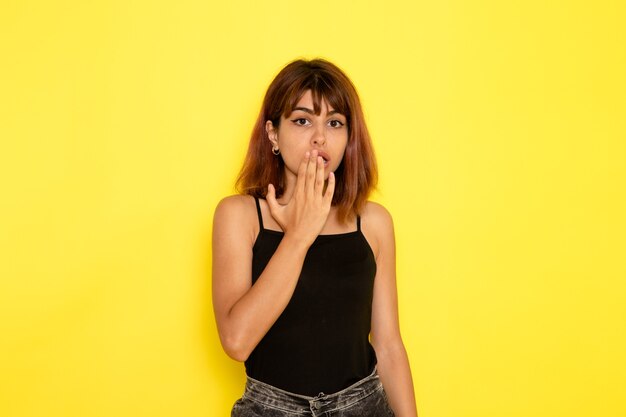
(236, 213)
(376, 215)
(377, 226)
(235, 202)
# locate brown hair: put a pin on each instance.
(357, 174)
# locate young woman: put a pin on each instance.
(304, 286)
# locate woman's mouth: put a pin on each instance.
(325, 157)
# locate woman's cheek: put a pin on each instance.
(291, 164)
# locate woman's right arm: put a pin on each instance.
(245, 312)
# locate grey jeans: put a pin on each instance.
(366, 398)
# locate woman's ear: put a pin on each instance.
(272, 133)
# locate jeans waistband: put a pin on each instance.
(277, 398)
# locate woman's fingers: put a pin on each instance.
(300, 179)
(319, 176)
(310, 180)
(310, 174)
(314, 184)
(306, 212)
(271, 200)
(330, 189)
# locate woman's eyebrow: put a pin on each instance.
(310, 111)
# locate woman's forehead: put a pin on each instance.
(315, 101)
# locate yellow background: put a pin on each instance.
(500, 134)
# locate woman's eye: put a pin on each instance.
(300, 121)
(335, 123)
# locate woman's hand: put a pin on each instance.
(305, 214)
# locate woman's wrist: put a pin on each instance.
(296, 242)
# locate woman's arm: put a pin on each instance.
(393, 364)
(245, 312)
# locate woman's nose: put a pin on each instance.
(319, 137)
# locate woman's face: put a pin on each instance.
(303, 131)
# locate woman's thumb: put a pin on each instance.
(271, 198)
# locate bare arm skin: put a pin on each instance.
(245, 312)
(393, 364)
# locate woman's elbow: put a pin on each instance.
(389, 348)
(235, 348)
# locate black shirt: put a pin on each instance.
(320, 343)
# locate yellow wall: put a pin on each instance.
(500, 132)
